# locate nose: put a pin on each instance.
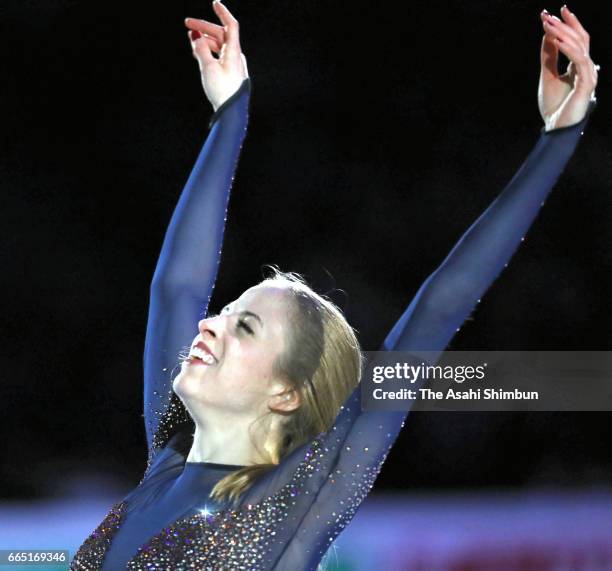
(210, 326)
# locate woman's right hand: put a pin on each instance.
(221, 77)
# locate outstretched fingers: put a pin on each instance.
(232, 33)
(572, 42)
(555, 24)
(207, 29)
(562, 39)
(572, 21)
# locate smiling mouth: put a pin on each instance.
(199, 355)
(195, 360)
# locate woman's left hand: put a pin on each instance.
(563, 99)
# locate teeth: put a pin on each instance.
(200, 354)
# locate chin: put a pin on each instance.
(190, 384)
(188, 388)
(186, 385)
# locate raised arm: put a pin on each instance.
(565, 101)
(335, 473)
(347, 459)
(449, 294)
(187, 267)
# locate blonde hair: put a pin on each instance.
(322, 361)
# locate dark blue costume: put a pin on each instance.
(288, 518)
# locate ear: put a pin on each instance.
(284, 399)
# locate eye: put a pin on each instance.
(242, 324)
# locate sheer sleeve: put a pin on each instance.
(337, 470)
(187, 266)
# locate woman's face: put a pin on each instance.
(245, 339)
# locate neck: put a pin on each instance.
(227, 439)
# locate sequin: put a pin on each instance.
(174, 417)
(228, 539)
(91, 554)
(249, 537)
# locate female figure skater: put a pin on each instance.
(282, 454)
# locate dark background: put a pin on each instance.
(376, 137)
